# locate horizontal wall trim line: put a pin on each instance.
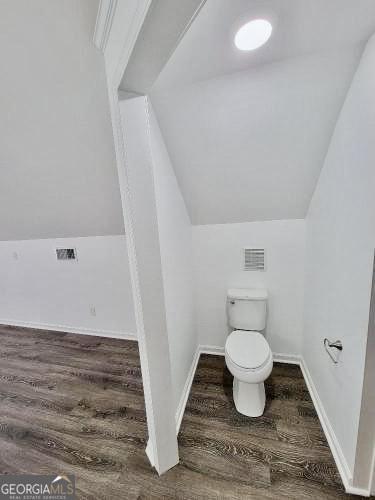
(70, 329)
(52, 238)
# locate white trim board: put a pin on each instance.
(291, 359)
(212, 349)
(201, 349)
(70, 329)
(103, 23)
(186, 391)
(150, 453)
(372, 480)
(295, 359)
(338, 455)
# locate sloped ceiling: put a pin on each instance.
(247, 133)
(58, 175)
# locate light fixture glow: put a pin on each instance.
(253, 34)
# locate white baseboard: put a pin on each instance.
(201, 349)
(338, 455)
(352, 490)
(294, 359)
(212, 349)
(150, 453)
(371, 486)
(291, 359)
(71, 329)
(182, 404)
(186, 391)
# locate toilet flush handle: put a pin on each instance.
(232, 302)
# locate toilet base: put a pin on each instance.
(249, 399)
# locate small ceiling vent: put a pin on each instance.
(254, 259)
(66, 254)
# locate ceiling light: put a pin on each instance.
(253, 34)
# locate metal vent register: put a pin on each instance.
(66, 254)
(254, 259)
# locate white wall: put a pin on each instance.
(218, 266)
(57, 165)
(175, 236)
(37, 290)
(58, 176)
(340, 246)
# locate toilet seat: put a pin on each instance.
(248, 350)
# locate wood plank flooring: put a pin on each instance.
(74, 404)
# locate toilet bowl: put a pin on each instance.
(249, 359)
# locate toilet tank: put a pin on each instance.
(247, 308)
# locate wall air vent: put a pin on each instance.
(254, 259)
(66, 254)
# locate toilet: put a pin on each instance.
(247, 353)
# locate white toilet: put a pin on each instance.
(247, 353)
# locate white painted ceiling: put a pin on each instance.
(247, 132)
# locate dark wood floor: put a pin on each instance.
(74, 404)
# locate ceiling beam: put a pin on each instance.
(157, 41)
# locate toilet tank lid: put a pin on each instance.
(247, 293)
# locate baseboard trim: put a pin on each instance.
(212, 349)
(70, 329)
(150, 453)
(291, 359)
(330, 435)
(201, 349)
(186, 391)
(295, 359)
(352, 490)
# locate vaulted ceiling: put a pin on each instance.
(247, 132)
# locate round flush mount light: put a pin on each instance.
(253, 34)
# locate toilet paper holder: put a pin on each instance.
(337, 344)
